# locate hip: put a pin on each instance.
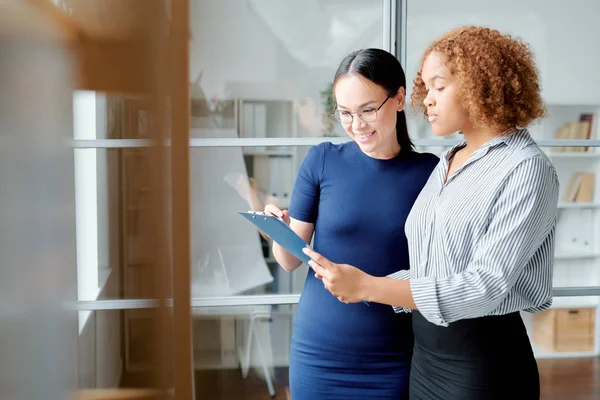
(473, 338)
(332, 326)
(480, 358)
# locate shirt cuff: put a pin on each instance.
(424, 292)
(398, 309)
(402, 275)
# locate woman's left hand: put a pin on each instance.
(344, 281)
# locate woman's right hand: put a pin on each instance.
(305, 230)
(273, 210)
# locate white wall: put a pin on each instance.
(563, 34)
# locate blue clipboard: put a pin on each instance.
(280, 233)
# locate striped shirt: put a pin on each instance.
(482, 243)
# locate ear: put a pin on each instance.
(400, 99)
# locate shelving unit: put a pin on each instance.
(577, 254)
(271, 168)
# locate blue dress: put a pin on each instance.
(359, 206)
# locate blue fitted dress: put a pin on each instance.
(359, 206)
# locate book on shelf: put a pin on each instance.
(579, 130)
(580, 188)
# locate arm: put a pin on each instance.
(392, 291)
(304, 204)
(521, 220)
(351, 285)
(287, 261)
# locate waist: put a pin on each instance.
(323, 322)
(472, 338)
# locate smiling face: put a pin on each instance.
(355, 93)
(444, 110)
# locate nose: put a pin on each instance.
(357, 123)
(428, 100)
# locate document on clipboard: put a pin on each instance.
(280, 233)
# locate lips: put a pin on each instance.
(364, 136)
(432, 117)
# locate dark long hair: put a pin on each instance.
(383, 69)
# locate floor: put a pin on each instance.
(560, 379)
(570, 379)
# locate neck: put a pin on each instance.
(477, 137)
(387, 153)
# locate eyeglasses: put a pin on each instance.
(366, 114)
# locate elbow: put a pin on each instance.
(289, 264)
(498, 293)
(490, 298)
(285, 260)
(288, 268)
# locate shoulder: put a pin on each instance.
(532, 161)
(427, 160)
(330, 151)
(521, 154)
(348, 147)
(315, 153)
(318, 155)
(535, 167)
(427, 157)
(530, 173)
(328, 147)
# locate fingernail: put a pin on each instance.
(305, 250)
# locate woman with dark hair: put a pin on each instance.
(354, 198)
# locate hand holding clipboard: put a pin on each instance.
(281, 233)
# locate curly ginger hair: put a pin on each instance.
(498, 79)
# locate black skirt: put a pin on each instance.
(482, 358)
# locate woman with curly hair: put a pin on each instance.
(481, 233)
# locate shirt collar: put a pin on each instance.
(517, 139)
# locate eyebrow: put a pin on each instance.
(361, 106)
(436, 77)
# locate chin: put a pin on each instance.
(440, 131)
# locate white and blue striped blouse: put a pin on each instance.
(482, 243)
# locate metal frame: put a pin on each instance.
(297, 141)
(401, 30)
(388, 25)
(259, 300)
